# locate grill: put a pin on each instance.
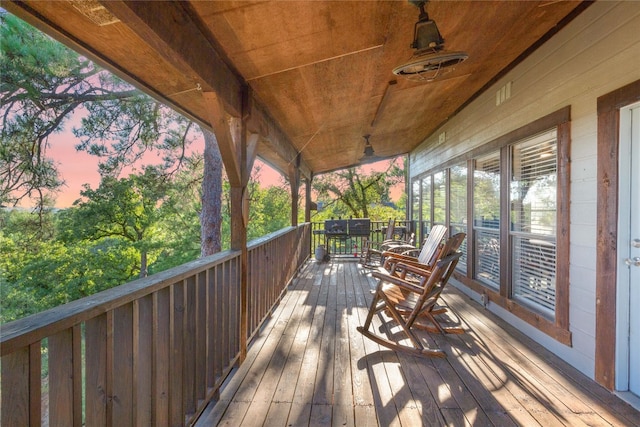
(350, 227)
(359, 227)
(335, 227)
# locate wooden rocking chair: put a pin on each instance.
(408, 302)
(426, 257)
(371, 255)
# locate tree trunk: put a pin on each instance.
(144, 268)
(211, 215)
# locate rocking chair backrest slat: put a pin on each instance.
(391, 227)
(431, 244)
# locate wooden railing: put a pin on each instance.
(150, 352)
(351, 246)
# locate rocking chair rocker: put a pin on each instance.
(408, 302)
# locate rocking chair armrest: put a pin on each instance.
(391, 259)
(414, 267)
(399, 249)
(397, 242)
(381, 246)
(411, 287)
(375, 251)
(397, 256)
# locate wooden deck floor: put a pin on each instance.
(310, 367)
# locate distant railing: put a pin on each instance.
(151, 352)
(351, 246)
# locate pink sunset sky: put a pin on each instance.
(78, 168)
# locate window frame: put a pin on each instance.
(558, 327)
(531, 235)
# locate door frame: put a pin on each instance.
(624, 224)
(609, 106)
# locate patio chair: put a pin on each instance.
(372, 251)
(406, 303)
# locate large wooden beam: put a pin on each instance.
(171, 30)
(260, 121)
(252, 150)
(228, 149)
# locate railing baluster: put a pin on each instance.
(95, 370)
(176, 410)
(35, 384)
(61, 379)
(122, 374)
(201, 336)
(212, 362)
(142, 356)
(15, 389)
(161, 357)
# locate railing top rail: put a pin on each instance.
(272, 236)
(31, 329)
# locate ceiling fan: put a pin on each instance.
(430, 59)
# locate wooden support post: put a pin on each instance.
(232, 140)
(294, 182)
(307, 208)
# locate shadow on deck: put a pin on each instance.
(310, 367)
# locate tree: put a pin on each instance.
(74, 268)
(43, 83)
(124, 208)
(355, 191)
(211, 214)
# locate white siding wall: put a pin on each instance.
(595, 54)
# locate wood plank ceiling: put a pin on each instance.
(318, 72)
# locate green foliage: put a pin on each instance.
(355, 193)
(179, 219)
(72, 271)
(269, 209)
(43, 84)
(127, 209)
(56, 257)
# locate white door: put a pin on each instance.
(629, 249)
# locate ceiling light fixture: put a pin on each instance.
(369, 155)
(368, 149)
(429, 59)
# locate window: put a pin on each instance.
(426, 207)
(439, 198)
(458, 208)
(415, 200)
(486, 219)
(518, 251)
(533, 222)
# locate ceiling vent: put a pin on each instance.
(430, 59)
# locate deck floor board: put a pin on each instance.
(309, 366)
